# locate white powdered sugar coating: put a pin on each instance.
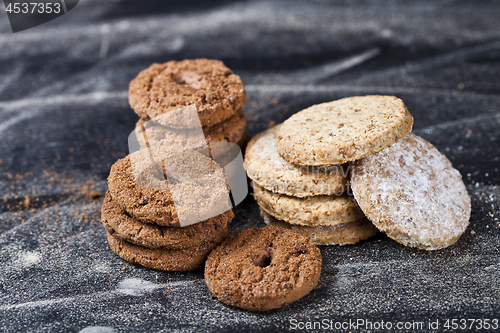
(411, 192)
(266, 167)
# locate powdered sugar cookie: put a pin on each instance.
(344, 130)
(265, 167)
(411, 192)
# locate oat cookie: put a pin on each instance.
(150, 133)
(341, 234)
(187, 259)
(196, 189)
(265, 167)
(260, 269)
(206, 85)
(344, 130)
(118, 223)
(322, 210)
(411, 192)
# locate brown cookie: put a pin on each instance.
(163, 259)
(260, 269)
(151, 133)
(118, 223)
(204, 85)
(411, 192)
(194, 189)
(341, 234)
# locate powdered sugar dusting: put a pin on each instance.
(412, 192)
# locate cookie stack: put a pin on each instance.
(311, 200)
(167, 204)
(189, 103)
(403, 184)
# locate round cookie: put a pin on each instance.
(411, 192)
(204, 85)
(265, 167)
(260, 269)
(150, 133)
(121, 225)
(341, 234)
(196, 190)
(323, 210)
(163, 259)
(343, 130)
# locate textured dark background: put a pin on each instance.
(64, 119)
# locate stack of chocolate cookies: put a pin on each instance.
(167, 204)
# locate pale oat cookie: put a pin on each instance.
(411, 192)
(152, 133)
(265, 167)
(344, 130)
(341, 234)
(322, 210)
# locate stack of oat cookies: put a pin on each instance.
(152, 210)
(311, 200)
(403, 184)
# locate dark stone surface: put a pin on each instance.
(64, 119)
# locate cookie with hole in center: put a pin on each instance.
(269, 170)
(187, 259)
(411, 192)
(321, 210)
(260, 269)
(121, 225)
(341, 234)
(344, 130)
(206, 86)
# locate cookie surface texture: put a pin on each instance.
(260, 269)
(269, 170)
(205, 85)
(196, 189)
(411, 192)
(150, 133)
(322, 210)
(343, 130)
(162, 259)
(341, 234)
(118, 223)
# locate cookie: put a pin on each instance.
(151, 133)
(193, 190)
(265, 167)
(411, 192)
(344, 130)
(323, 210)
(163, 259)
(119, 224)
(341, 234)
(260, 269)
(203, 85)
